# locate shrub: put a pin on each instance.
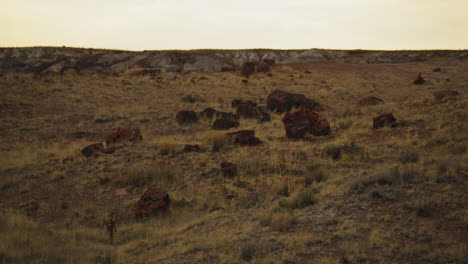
(409, 157)
(317, 175)
(335, 151)
(149, 175)
(281, 187)
(248, 251)
(282, 221)
(192, 98)
(300, 200)
(166, 147)
(216, 140)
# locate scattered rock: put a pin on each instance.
(152, 202)
(371, 100)
(384, 120)
(245, 138)
(248, 109)
(186, 117)
(229, 169)
(210, 113)
(224, 124)
(192, 148)
(121, 135)
(92, 150)
(303, 123)
(247, 69)
(282, 101)
(419, 80)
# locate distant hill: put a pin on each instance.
(43, 59)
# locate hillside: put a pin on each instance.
(40, 59)
(357, 195)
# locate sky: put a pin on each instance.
(235, 24)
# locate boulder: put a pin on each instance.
(262, 67)
(245, 138)
(224, 124)
(152, 202)
(384, 120)
(208, 113)
(229, 169)
(186, 117)
(270, 62)
(282, 101)
(247, 69)
(248, 109)
(192, 148)
(92, 150)
(419, 80)
(303, 123)
(130, 134)
(437, 70)
(371, 100)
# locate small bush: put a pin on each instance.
(264, 219)
(409, 157)
(314, 176)
(216, 140)
(300, 200)
(193, 98)
(344, 125)
(166, 147)
(248, 251)
(148, 175)
(281, 187)
(282, 221)
(335, 151)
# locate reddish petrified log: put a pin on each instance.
(152, 202)
(303, 123)
(120, 135)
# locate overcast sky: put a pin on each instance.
(235, 24)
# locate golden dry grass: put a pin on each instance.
(390, 196)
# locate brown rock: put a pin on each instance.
(437, 70)
(270, 62)
(247, 69)
(92, 150)
(384, 120)
(224, 124)
(192, 148)
(186, 117)
(245, 138)
(121, 135)
(419, 80)
(302, 123)
(282, 101)
(229, 169)
(152, 202)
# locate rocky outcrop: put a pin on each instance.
(186, 117)
(152, 202)
(121, 135)
(39, 59)
(282, 101)
(304, 123)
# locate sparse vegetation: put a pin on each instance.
(362, 195)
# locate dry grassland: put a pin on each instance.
(394, 195)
